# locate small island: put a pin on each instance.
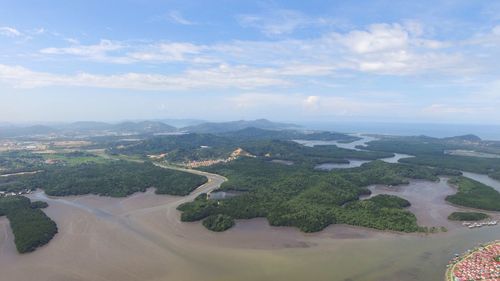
(467, 216)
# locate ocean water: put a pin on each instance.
(486, 132)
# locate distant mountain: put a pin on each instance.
(143, 127)
(222, 127)
(87, 126)
(11, 131)
(180, 123)
(253, 133)
(466, 138)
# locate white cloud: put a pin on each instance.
(177, 17)
(276, 23)
(398, 49)
(312, 102)
(281, 21)
(383, 49)
(223, 76)
(489, 39)
(165, 52)
(39, 31)
(9, 31)
(98, 51)
(378, 38)
(107, 51)
(496, 30)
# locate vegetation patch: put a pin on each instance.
(112, 178)
(218, 222)
(467, 216)
(390, 201)
(474, 194)
(430, 151)
(265, 143)
(311, 200)
(39, 205)
(31, 227)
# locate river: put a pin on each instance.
(352, 145)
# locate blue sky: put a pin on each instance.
(384, 61)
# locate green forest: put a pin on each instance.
(311, 200)
(275, 144)
(433, 152)
(467, 216)
(112, 178)
(295, 194)
(31, 227)
(474, 194)
(218, 222)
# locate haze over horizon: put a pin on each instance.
(377, 61)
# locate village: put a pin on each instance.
(8, 194)
(472, 225)
(482, 263)
(205, 163)
(10, 145)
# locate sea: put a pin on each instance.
(486, 132)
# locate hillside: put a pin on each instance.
(212, 127)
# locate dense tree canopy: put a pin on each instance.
(474, 194)
(467, 216)
(218, 222)
(311, 200)
(112, 178)
(32, 228)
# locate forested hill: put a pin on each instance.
(252, 133)
(266, 143)
(212, 127)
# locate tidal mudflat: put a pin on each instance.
(141, 238)
(428, 201)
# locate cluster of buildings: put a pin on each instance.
(7, 193)
(480, 264)
(479, 224)
(23, 145)
(157, 157)
(204, 163)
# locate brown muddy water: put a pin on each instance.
(140, 238)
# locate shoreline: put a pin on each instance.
(209, 187)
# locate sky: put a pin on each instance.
(362, 61)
